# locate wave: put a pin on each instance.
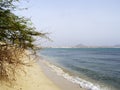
(76, 80)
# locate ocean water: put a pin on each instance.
(91, 68)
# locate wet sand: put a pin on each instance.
(39, 76)
(61, 82)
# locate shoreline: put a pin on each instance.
(59, 81)
(32, 79)
(39, 76)
(90, 72)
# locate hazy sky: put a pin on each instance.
(72, 22)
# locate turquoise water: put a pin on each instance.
(99, 66)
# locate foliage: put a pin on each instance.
(8, 4)
(16, 35)
(16, 30)
(10, 63)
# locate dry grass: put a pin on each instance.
(12, 63)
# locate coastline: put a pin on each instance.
(32, 79)
(92, 69)
(59, 81)
(39, 76)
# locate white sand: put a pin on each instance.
(39, 77)
(33, 79)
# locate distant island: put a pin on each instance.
(85, 46)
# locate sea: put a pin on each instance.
(91, 68)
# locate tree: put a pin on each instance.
(16, 30)
(16, 35)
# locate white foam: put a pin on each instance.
(83, 83)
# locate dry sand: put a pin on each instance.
(33, 79)
(39, 77)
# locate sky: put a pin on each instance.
(72, 22)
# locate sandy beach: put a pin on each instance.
(38, 76)
(34, 79)
(60, 81)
